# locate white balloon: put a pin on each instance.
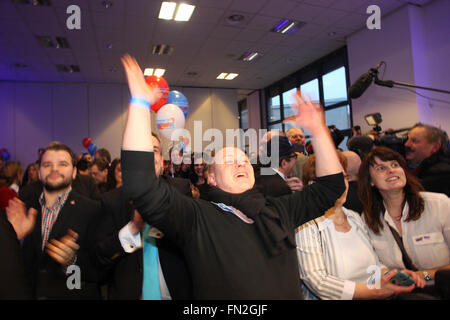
(169, 118)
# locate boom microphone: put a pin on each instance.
(360, 86)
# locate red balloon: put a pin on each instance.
(158, 82)
(86, 142)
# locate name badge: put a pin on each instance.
(428, 238)
(234, 211)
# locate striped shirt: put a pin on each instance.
(319, 256)
(50, 214)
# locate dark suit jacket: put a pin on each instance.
(83, 184)
(48, 280)
(352, 201)
(272, 185)
(123, 272)
(13, 279)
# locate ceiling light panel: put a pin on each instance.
(167, 10)
(176, 11)
(184, 12)
(231, 76)
(287, 26)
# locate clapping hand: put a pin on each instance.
(64, 250)
(21, 220)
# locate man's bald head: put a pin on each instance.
(353, 164)
(231, 171)
(296, 136)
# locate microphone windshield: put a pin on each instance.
(360, 85)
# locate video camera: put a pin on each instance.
(390, 138)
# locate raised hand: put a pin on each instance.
(64, 250)
(309, 116)
(21, 220)
(136, 81)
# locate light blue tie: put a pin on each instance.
(150, 285)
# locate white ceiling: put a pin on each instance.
(207, 44)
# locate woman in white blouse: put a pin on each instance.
(396, 207)
(336, 258)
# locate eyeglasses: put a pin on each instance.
(295, 136)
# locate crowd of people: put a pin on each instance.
(368, 223)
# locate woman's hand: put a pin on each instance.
(388, 288)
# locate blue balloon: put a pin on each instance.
(92, 148)
(6, 156)
(178, 99)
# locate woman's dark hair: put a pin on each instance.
(26, 175)
(111, 181)
(372, 199)
(193, 176)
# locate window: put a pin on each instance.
(325, 81)
(340, 117)
(311, 89)
(334, 87)
(243, 115)
(274, 109)
(288, 101)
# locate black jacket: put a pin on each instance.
(47, 277)
(272, 185)
(83, 184)
(226, 256)
(434, 173)
(123, 272)
(13, 279)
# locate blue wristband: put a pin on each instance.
(139, 102)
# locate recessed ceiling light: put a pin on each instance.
(46, 3)
(159, 72)
(179, 12)
(287, 26)
(231, 76)
(332, 33)
(250, 56)
(235, 19)
(107, 4)
(167, 10)
(154, 72)
(162, 49)
(148, 72)
(184, 12)
(227, 76)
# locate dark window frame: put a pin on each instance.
(315, 70)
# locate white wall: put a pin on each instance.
(34, 114)
(414, 43)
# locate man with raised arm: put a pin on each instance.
(239, 245)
